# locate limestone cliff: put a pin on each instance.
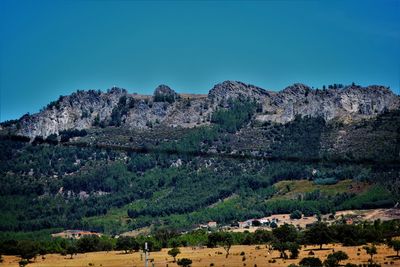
(116, 107)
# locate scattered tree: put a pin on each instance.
(27, 249)
(395, 244)
(319, 234)
(310, 262)
(185, 262)
(71, 249)
(23, 263)
(335, 258)
(174, 252)
(295, 215)
(127, 244)
(284, 236)
(227, 242)
(371, 251)
(294, 250)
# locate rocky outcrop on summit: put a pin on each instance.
(165, 94)
(77, 111)
(353, 102)
(116, 107)
(234, 89)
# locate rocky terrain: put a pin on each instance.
(117, 107)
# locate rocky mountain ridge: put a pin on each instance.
(116, 107)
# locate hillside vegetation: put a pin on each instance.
(177, 177)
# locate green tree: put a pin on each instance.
(395, 244)
(23, 263)
(295, 215)
(174, 252)
(127, 244)
(284, 236)
(227, 242)
(106, 244)
(310, 262)
(371, 251)
(27, 249)
(71, 249)
(335, 258)
(185, 262)
(88, 243)
(319, 234)
(294, 250)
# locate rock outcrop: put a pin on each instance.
(86, 109)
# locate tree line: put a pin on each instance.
(286, 239)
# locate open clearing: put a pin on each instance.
(203, 257)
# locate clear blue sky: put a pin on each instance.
(52, 48)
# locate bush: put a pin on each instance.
(23, 263)
(185, 262)
(295, 215)
(310, 262)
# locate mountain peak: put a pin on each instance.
(297, 88)
(234, 89)
(164, 90)
(163, 93)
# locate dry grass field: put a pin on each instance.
(204, 257)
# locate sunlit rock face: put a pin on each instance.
(86, 109)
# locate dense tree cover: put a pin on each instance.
(48, 186)
(122, 108)
(300, 139)
(238, 113)
(94, 181)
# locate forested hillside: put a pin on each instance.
(114, 179)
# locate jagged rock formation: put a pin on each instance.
(350, 102)
(116, 107)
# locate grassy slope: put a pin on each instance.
(306, 186)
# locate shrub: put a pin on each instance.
(310, 262)
(23, 263)
(185, 262)
(295, 215)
